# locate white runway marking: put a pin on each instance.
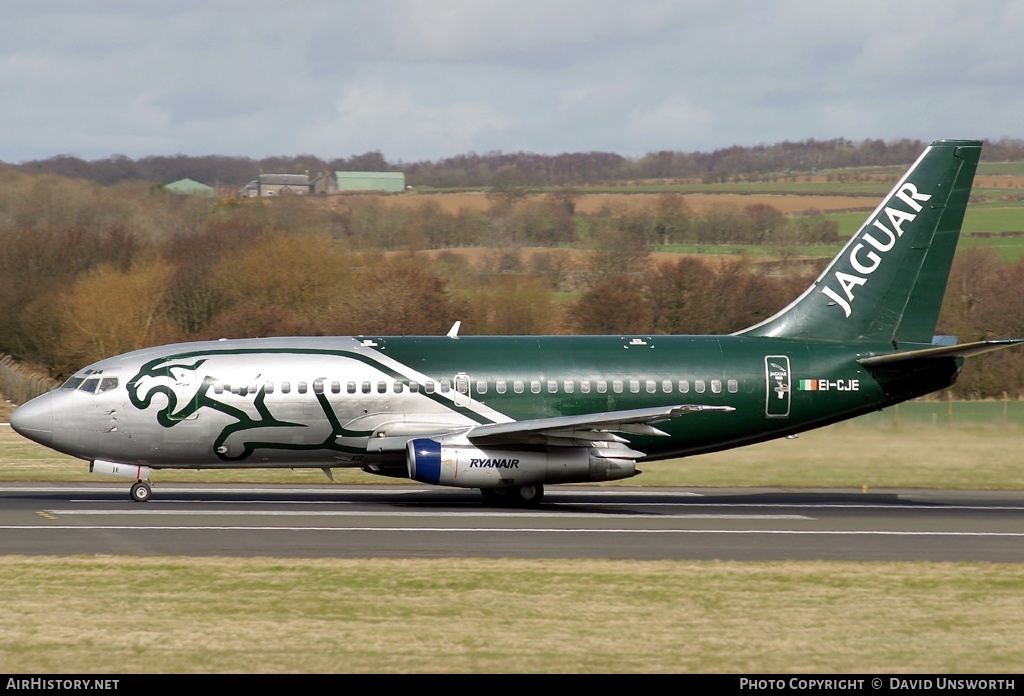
(434, 514)
(507, 530)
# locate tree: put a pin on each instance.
(614, 305)
(508, 187)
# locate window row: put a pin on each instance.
(500, 386)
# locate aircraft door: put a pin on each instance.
(461, 397)
(777, 376)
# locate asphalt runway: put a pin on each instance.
(573, 522)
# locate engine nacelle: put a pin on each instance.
(466, 466)
(128, 471)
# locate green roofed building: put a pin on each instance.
(190, 187)
(390, 182)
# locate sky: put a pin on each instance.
(429, 79)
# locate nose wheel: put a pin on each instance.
(141, 492)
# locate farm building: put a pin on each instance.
(389, 182)
(287, 184)
(277, 185)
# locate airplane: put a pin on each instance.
(509, 415)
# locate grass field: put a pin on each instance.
(204, 615)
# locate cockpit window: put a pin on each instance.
(106, 384)
(90, 385)
(73, 383)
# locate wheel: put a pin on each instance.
(530, 496)
(496, 496)
(141, 492)
(514, 496)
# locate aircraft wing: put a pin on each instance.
(591, 429)
(961, 350)
(585, 429)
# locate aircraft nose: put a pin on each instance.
(34, 420)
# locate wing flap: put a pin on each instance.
(611, 421)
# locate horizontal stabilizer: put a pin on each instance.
(961, 350)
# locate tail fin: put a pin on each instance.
(888, 281)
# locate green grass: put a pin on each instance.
(998, 168)
(807, 251)
(127, 614)
(979, 220)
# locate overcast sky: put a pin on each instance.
(428, 79)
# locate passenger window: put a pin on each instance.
(535, 386)
(218, 388)
(366, 388)
(666, 386)
(617, 386)
(429, 387)
(302, 387)
(652, 386)
(552, 386)
(481, 386)
(602, 386)
(397, 387)
(335, 387)
(350, 387)
(414, 387)
(286, 387)
(585, 386)
(500, 386)
(518, 386)
(318, 386)
(382, 387)
(268, 388)
(733, 386)
(684, 386)
(634, 386)
(446, 386)
(716, 386)
(698, 386)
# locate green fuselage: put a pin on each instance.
(824, 384)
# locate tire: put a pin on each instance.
(141, 492)
(514, 496)
(497, 497)
(530, 496)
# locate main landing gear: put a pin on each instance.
(514, 496)
(141, 492)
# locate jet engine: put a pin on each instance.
(467, 466)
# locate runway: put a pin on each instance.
(573, 522)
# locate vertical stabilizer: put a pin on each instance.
(888, 281)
